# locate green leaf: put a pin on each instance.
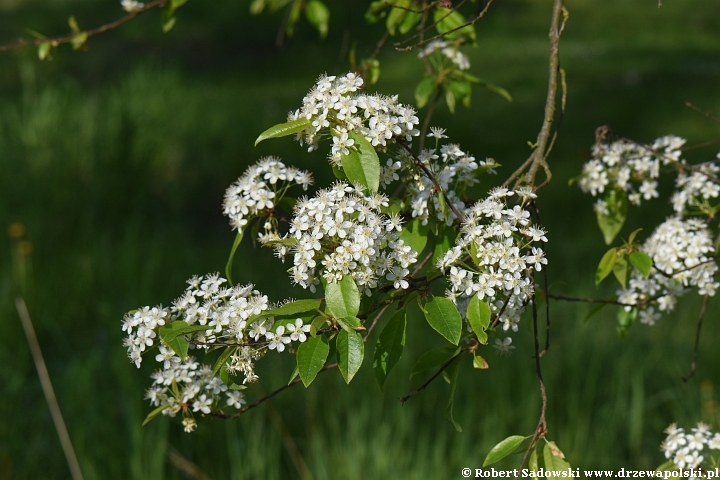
(257, 6)
(44, 50)
(415, 235)
(350, 352)
(553, 462)
(410, 20)
(396, 15)
(450, 100)
(343, 298)
(222, 359)
(620, 270)
(480, 363)
(611, 224)
(376, 11)
(372, 67)
(444, 318)
(434, 359)
(167, 20)
(448, 19)
(453, 370)
(424, 90)
(594, 310)
(180, 346)
(284, 129)
(293, 308)
(488, 86)
(228, 265)
(362, 164)
(503, 449)
(607, 262)
(625, 319)
(389, 347)
(154, 414)
(632, 236)
(478, 316)
(533, 462)
(317, 324)
(642, 262)
(79, 41)
(294, 375)
(339, 174)
(72, 22)
(318, 15)
(293, 17)
(462, 91)
(350, 324)
(311, 356)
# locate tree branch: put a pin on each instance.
(69, 37)
(697, 339)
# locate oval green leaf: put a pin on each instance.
(478, 316)
(444, 318)
(424, 89)
(311, 356)
(343, 298)
(642, 263)
(607, 262)
(362, 164)
(503, 449)
(318, 15)
(284, 129)
(350, 353)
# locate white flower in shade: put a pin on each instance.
(202, 404)
(189, 424)
(235, 398)
(131, 6)
(437, 133)
(504, 346)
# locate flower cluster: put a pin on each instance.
(453, 169)
(493, 257)
(334, 104)
(685, 450)
(448, 50)
(132, 6)
(341, 231)
(182, 386)
(696, 187)
(681, 251)
(629, 166)
(233, 317)
(259, 187)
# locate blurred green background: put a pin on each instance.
(116, 160)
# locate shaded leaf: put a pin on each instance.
(415, 235)
(318, 15)
(434, 359)
(620, 270)
(453, 370)
(396, 15)
(611, 224)
(448, 19)
(625, 319)
(424, 90)
(154, 414)
(228, 265)
(389, 347)
(553, 462)
(222, 359)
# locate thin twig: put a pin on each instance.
(430, 380)
(538, 158)
(375, 321)
(69, 37)
(48, 389)
(707, 115)
(697, 339)
(602, 300)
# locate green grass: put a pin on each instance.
(117, 164)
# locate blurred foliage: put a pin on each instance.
(116, 160)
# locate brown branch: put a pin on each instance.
(697, 339)
(707, 115)
(541, 151)
(69, 37)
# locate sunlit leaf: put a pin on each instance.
(642, 262)
(444, 318)
(362, 164)
(350, 352)
(478, 316)
(607, 262)
(503, 449)
(311, 356)
(284, 129)
(343, 298)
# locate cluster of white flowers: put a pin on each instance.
(259, 187)
(625, 165)
(341, 231)
(131, 6)
(453, 169)
(448, 50)
(696, 187)
(685, 449)
(232, 315)
(681, 251)
(182, 386)
(493, 257)
(334, 104)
